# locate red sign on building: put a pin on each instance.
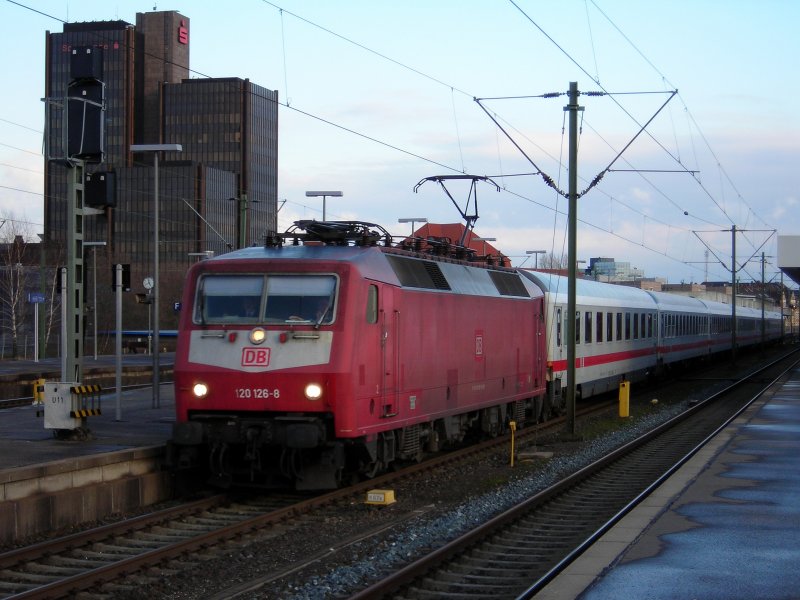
(183, 33)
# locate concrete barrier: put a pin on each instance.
(47, 498)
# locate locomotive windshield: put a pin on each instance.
(267, 299)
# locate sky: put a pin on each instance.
(375, 96)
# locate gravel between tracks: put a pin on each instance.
(429, 511)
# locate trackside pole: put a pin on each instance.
(513, 426)
(624, 399)
(118, 341)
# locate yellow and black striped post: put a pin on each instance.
(85, 401)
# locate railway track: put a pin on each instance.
(99, 559)
(519, 551)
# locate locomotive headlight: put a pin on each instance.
(257, 336)
(200, 390)
(313, 391)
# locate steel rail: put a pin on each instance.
(429, 563)
(97, 576)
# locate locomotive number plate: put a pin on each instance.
(258, 393)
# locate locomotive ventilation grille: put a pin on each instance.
(418, 273)
(508, 284)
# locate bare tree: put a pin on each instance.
(14, 277)
(552, 261)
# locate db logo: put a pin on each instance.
(255, 357)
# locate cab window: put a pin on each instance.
(272, 299)
(229, 299)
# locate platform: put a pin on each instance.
(48, 485)
(24, 440)
(726, 525)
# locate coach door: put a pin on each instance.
(390, 340)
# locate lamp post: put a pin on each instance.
(536, 254)
(324, 194)
(155, 149)
(204, 255)
(94, 246)
(484, 240)
(413, 221)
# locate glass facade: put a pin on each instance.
(230, 124)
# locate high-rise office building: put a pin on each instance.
(238, 134)
(218, 193)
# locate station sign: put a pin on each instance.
(35, 297)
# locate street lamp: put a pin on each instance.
(536, 254)
(155, 149)
(413, 220)
(484, 240)
(324, 196)
(94, 246)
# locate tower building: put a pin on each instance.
(218, 193)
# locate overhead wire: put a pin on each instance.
(689, 114)
(454, 89)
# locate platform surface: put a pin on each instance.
(725, 526)
(24, 441)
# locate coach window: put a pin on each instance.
(627, 325)
(587, 334)
(644, 325)
(599, 327)
(619, 326)
(610, 327)
(372, 304)
(649, 325)
(635, 326)
(558, 327)
(577, 327)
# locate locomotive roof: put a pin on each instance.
(401, 268)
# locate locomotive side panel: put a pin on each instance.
(443, 354)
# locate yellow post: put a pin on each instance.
(38, 391)
(513, 425)
(624, 399)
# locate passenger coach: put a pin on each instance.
(615, 334)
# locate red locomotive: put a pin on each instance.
(330, 353)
